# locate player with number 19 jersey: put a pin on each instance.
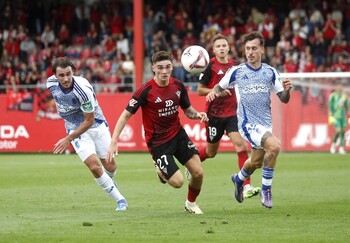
(160, 109)
(221, 106)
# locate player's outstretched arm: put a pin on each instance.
(113, 147)
(195, 115)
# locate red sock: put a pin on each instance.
(203, 154)
(242, 158)
(192, 194)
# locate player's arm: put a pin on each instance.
(195, 115)
(113, 147)
(217, 91)
(284, 96)
(203, 89)
(63, 143)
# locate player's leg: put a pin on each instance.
(214, 131)
(194, 166)
(210, 151)
(163, 157)
(86, 150)
(171, 172)
(272, 147)
(104, 181)
(342, 135)
(187, 155)
(242, 153)
(240, 145)
(102, 139)
(246, 171)
(336, 135)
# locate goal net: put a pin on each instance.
(302, 124)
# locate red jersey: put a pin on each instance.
(159, 106)
(222, 106)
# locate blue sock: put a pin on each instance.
(267, 175)
(242, 176)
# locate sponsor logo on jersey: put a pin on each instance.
(132, 102)
(178, 93)
(158, 100)
(87, 107)
(255, 88)
(168, 103)
(220, 72)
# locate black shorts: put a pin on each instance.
(216, 127)
(180, 147)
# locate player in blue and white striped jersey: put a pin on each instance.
(86, 126)
(253, 82)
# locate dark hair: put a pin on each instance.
(61, 62)
(252, 36)
(218, 37)
(161, 56)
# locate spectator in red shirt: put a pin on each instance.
(109, 47)
(309, 66)
(340, 66)
(290, 66)
(12, 47)
(64, 35)
(116, 23)
(329, 29)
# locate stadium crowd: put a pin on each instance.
(301, 36)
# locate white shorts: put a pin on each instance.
(253, 133)
(93, 141)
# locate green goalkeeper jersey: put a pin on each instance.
(338, 105)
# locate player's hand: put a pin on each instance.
(61, 145)
(203, 116)
(349, 120)
(331, 120)
(225, 93)
(210, 96)
(112, 151)
(287, 85)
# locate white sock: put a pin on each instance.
(108, 186)
(110, 174)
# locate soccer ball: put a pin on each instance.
(195, 59)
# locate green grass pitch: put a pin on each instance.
(53, 198)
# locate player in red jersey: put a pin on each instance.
(160, 98)
(222, 111)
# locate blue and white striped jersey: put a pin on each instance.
(72, 104)
(252, 87)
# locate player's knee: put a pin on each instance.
(177, 180)
(275, 148)
(96, 170)
(211, 154)
(177, 183)
(197, 174)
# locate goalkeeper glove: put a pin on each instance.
(331, 120)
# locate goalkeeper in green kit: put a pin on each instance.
(338, 111)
